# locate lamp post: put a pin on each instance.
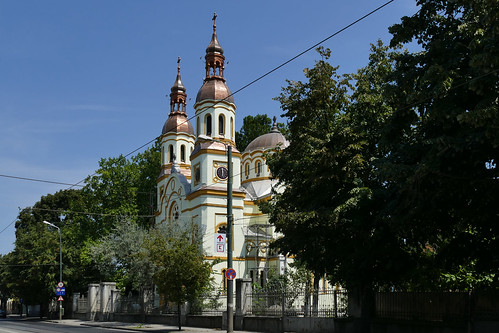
(60, 261)
(230, 282)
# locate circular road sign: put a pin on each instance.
(60, 284)
(230, 273)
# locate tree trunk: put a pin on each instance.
(315, 298)
(179, 308)
(367, 307)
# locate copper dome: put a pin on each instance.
(214, 89)
(268, 141)
(177, 123)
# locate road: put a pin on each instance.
(16, 325)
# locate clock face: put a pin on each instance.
(222, 172)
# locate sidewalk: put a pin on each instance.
(139, 327)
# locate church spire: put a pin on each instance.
(178, 96)
(214, 55)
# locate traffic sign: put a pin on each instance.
(60, 299)
(60, 291)
(220, 242)
(60, 284)
(230, 274)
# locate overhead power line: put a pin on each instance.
(266, 74)
(39, 180)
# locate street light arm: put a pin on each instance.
(51, 224)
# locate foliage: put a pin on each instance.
(122, 256)
(33, 270)
(119, 187)
(182, 272)
(441, 173)
(123, 187)
(327, 211)
(253, 127)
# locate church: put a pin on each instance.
(192, 185)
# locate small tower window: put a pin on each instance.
(246, 170)
(221, 125)
(258, 168)
(170, 153)
(162, 154)
(208, 125)
(182, 153)
(232, 127)
(197, 126)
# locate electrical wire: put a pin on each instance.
(232, 94)
(264, 75)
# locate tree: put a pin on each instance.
(182, 273)
(441, 173)
(328, 211)
(253, 127)
(123, 187)
(122, 256)
(33, 269)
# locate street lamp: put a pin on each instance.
(230, 282)
(60, 261)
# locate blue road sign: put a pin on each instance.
(60, 291)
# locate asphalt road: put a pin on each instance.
(11, 325)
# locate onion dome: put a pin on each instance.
(271, 140)
(177, 119)
(214, 89)
(214, 86)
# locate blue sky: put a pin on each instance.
(83, 80)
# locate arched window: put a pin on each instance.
(258, 168)
(197, 126)
(182, 153)
(170, 153)
(221, 124)
(208, 124)
(246, 170)
(162, 154)
(174, 212)
(232, 127)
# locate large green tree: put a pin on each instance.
(122, 256)
(182, 274)
(441, 173)
(34, 263)
(123, 187)
(328, 209)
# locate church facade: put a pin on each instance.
(192, 185)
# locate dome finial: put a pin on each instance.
(178, 65)
(274, 125)
(214, 22)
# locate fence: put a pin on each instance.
(214, 303)
(438, 306)
(426, 306)
(328, 303)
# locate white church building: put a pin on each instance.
(192, 185)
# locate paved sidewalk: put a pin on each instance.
(140, 327)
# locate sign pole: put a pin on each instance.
(230, 282)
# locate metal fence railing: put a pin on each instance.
(214, 303)
(426, 306)
(328, 303)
